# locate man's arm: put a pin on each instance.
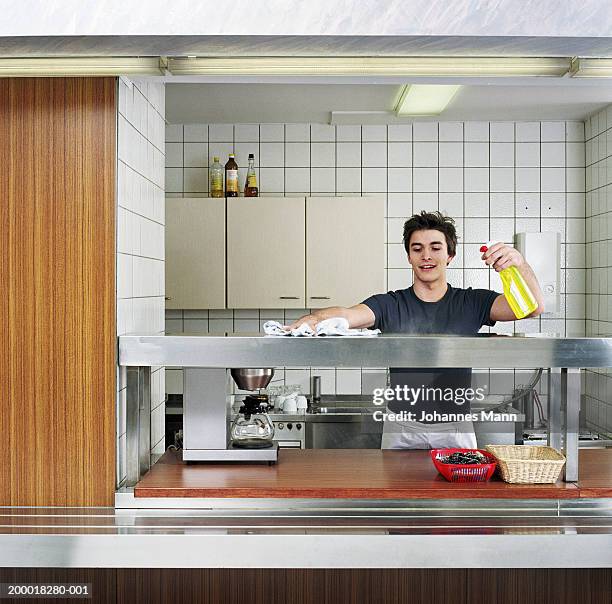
(358, 316)
(501, 256)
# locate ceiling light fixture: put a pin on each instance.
(80, 66)
(428, 99)
(383, 66)
(591, 68)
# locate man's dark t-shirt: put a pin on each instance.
(458, 312)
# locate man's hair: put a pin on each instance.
(431, 221)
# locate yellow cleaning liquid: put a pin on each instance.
(516, 291)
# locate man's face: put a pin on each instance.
(428, 255)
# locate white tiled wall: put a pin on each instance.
(494, 178)
(140, 238)
(599, 260)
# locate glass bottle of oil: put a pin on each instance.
(520, 298)
(231, 177)
(250, 185)
(216, 179)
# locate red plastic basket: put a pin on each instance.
(463, 472)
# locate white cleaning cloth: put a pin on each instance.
(336, 326)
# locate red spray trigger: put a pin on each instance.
(487, 245)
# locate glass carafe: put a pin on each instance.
(252, 428)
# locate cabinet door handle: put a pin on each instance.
(319, 297)
(289, 297)
(168, 297)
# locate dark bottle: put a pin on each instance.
(231, 177)
(250, 185)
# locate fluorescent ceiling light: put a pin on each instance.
(80, 66)
(425, 99)
(384, 66)
(591, 68)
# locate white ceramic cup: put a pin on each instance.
(289, 404)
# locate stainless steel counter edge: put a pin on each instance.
(313, 534)
(336, 507)
(220, 549)
(239, 350)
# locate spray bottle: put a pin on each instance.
(520, 298)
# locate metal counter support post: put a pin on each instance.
(138, 423)
(554, 408)
(563, 415)
(571, 388)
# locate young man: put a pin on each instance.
(432, 306)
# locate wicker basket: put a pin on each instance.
(527, 464)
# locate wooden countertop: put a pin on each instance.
(358, 474)
(595, 473)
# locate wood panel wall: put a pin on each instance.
(57, 291)
(334, 586)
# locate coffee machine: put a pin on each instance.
(207, 411)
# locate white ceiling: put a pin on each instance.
(308, 102)
(533, 18)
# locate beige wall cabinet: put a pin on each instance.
(282, 252)
(345, 250)
(195, 253)
(266, 252)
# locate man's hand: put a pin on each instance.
(501, 256)
(358, 316)
(311, 319)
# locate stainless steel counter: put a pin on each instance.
(312, 534)
(485, 351)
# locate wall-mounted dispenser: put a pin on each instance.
(543, 253)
